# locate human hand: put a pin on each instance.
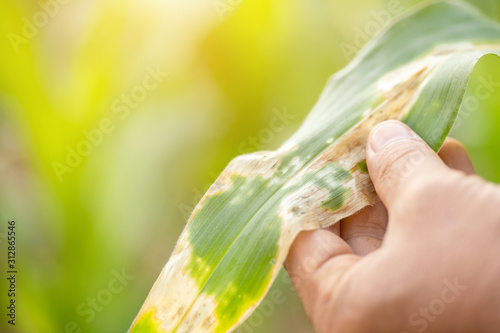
(428, 262)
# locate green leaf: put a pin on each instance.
(239, 234)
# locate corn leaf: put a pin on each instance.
(239, 234)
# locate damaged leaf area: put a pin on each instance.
(239, 235)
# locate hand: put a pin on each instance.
(425, 259)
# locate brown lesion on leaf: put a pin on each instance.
(262, 163)
(348, 151)
(208, 323)
(180, 312)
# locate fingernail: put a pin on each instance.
(387, 132)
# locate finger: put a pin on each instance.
(309, 252)
(396, 157)
(365, 230)
(335, 228)
(454, 154)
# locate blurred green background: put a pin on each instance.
(115, 117)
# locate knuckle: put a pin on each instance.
(478, 182)
(422, 192)
(420, 187)
(415, 191)
(367, 229)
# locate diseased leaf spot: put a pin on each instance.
(220, 248)
(180, 311)
(207, 323)
(336, 198)
(362, 167)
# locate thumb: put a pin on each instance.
(398, 158)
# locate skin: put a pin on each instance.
(425, 259)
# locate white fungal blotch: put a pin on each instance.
(274, 181)
(295, 165)
(297, 209)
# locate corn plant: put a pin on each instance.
(240, 233)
